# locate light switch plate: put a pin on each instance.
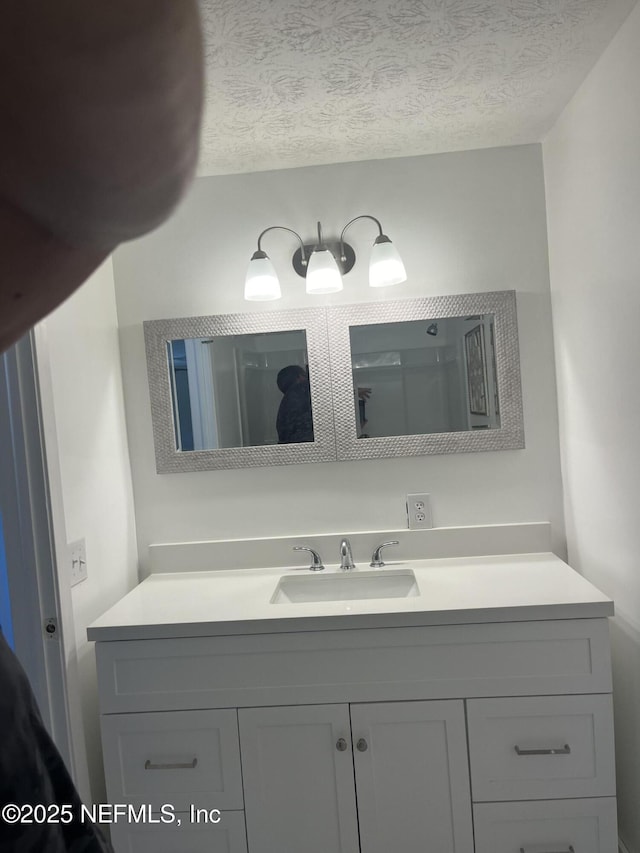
(78, 561)
(419, 515)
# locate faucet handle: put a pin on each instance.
(316, 566)
(376, 560)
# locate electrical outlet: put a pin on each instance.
(78, 561)
(419, 512)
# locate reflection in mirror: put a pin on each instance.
(439, 374)
(425, 376)
(234, 390)
(231, 391)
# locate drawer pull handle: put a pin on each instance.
(568, 850)
(188, 766)
(341, 744)
(560, 750)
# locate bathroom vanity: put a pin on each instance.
(469, 711)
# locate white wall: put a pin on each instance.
(592, 166)
(463, 222)
(84, 360)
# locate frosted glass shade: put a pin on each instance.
(385, 267)
(323, 275)
(261, 283)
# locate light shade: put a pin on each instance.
(261, 283)
(385, 267)
(323, 275)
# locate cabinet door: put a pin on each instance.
(412, 777)
(297, 769)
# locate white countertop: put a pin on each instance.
(518, 587)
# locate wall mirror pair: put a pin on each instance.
(411, 377)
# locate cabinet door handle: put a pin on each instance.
(362, 745)
(559, 750)
(341, 744)
(568, 850)
(148, 765)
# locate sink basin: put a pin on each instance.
(345, 586)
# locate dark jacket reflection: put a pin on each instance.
(294, 422)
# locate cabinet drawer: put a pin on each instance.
(587, 826)
(541, 747)
(228, 836)
(181, 758)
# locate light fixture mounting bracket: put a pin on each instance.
(345, 261)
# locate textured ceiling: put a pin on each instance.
(324, 81)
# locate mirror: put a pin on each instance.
(421, 376)
(424, 376)
(401, 378)
(240, 390)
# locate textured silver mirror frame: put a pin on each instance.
(169, 460)
(510, 435)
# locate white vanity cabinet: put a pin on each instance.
(411, 781)
(493, 737)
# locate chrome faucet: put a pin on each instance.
(376, 559)
(346, 558)
(316, 565)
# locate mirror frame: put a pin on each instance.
(510, 434)
(169, 460)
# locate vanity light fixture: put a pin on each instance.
(322, 265)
